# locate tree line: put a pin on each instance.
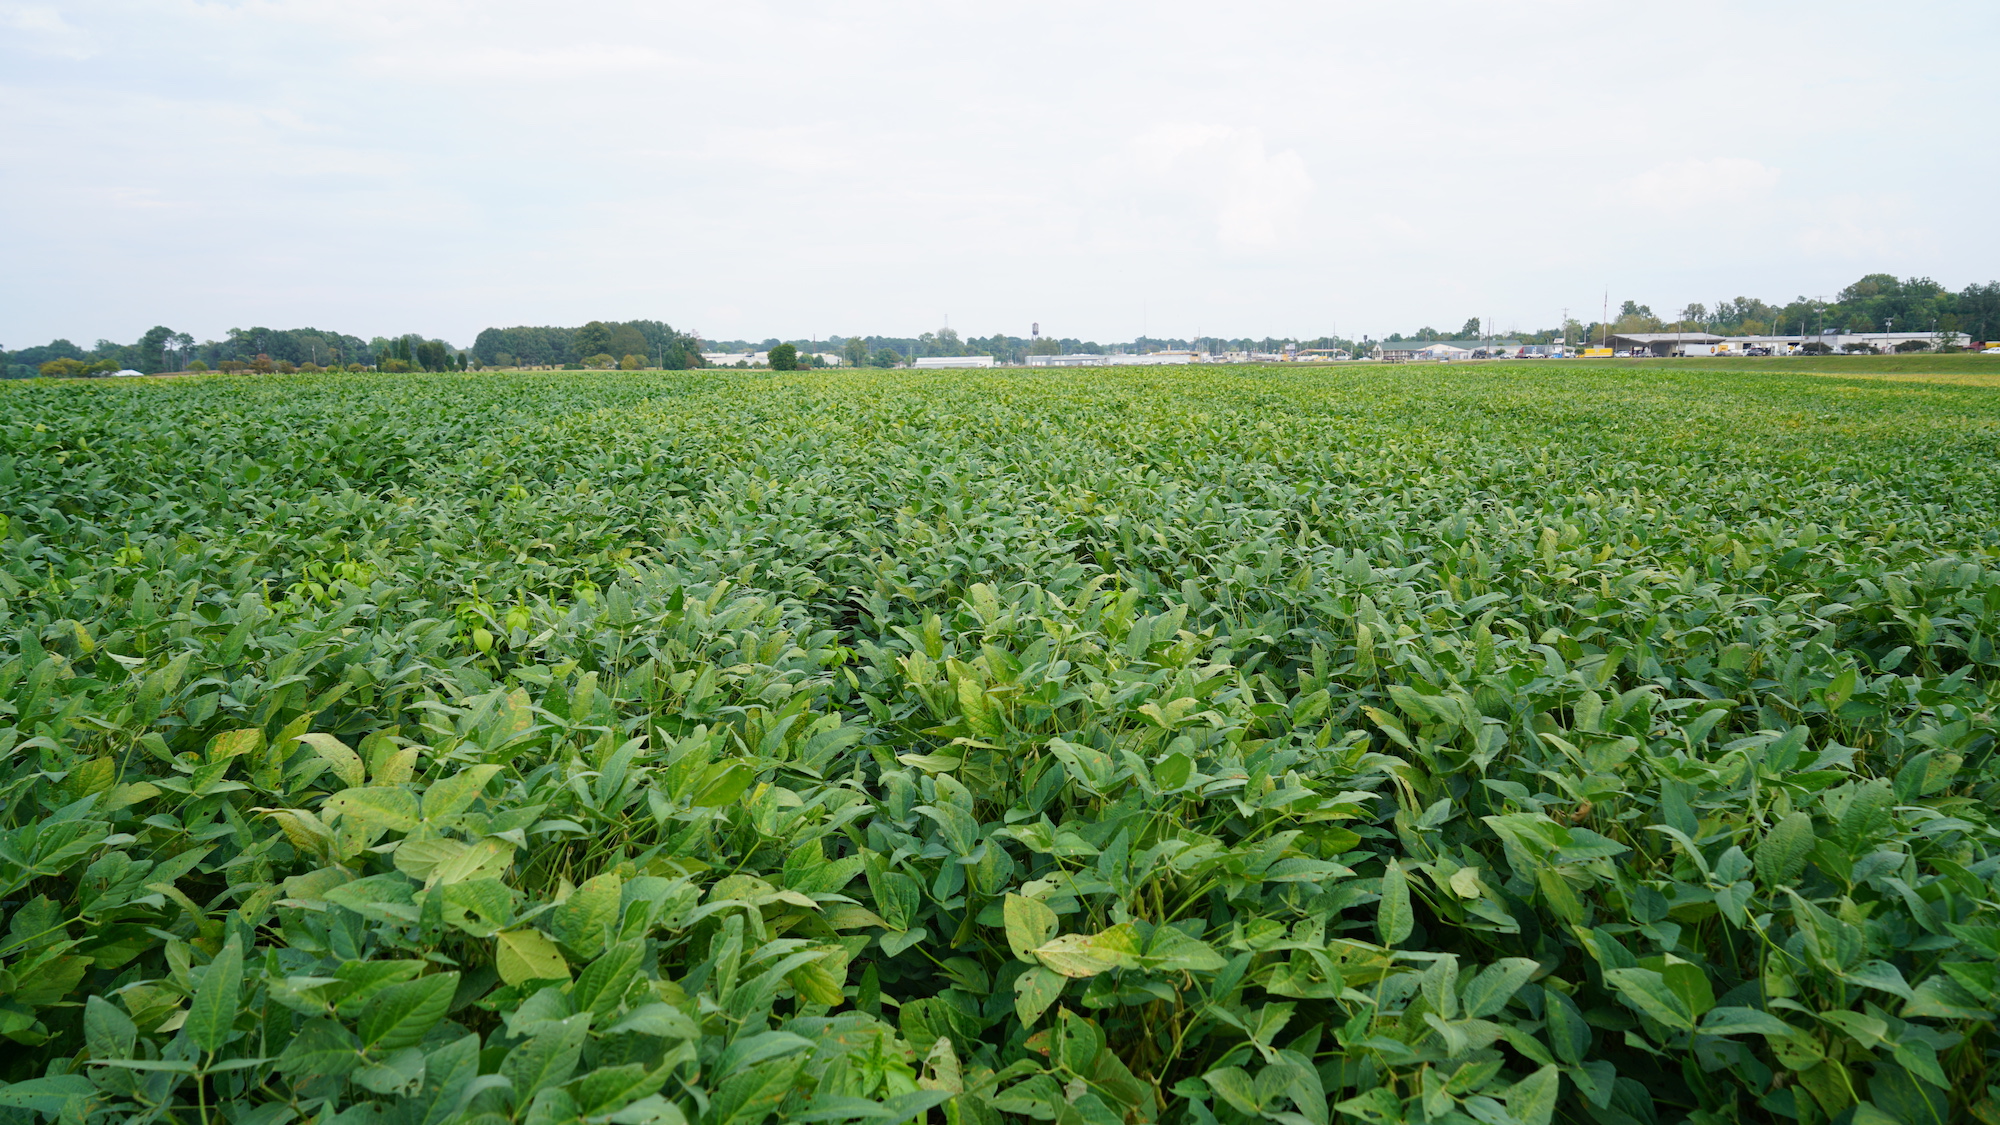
(637, 343)
(1879, 302)
(630, 344)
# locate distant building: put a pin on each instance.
(1837, 341)
(1074, 359)
(1153, 359)
(731, 359)
(957, 361)
(1666, 343)
(1709, 344)
(1405, 351)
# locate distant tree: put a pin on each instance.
(947, 342)
(625, 339)
(153, 349)
(196, 365)
(887, 357)
(593, 339)
(1907, 346)
(1634, 308)
(631, 363)
(1946, 338)
(854, 351)
(784, 357)
(1471, 329)
(601, 361)
(1641, 321)
(1979, 305)
(63, 368)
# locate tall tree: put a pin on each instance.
(592, 339)
(152, 349)
(626, 339)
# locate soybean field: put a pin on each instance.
(1504, 744)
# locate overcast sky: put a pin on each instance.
(753, 169)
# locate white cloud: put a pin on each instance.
(1254, 199)
(515, 65)
(1694, 184)
(1087, 165)
(1264, 200)
(1869, 229)
(47, 32)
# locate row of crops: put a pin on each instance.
(1366, 746)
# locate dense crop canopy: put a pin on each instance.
(1552, 743)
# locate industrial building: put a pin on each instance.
(1707, 343)
(957, 361)
(1405, 351)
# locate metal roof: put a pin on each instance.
(1669, 337)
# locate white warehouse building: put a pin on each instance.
(957, 361)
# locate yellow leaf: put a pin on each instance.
(345, 763)
(528, 955)
(230, 743)
(1465, 881)
(1073, 955)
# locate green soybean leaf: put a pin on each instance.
(583, 923)
(1234, 1086)
(401, 1014)
(1743, 1021)
(1496, 984)
(1394, 920)
(1648, 991)
(107, 1031)
(723, 783)
(1532, 1100)
(212, 1013)
(547, 1059)
(1569, 1034)
(1782, 855)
